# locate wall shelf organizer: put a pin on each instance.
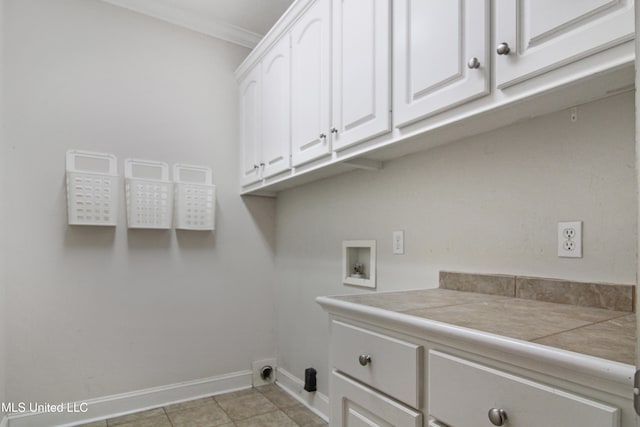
(195, 197)
(92, 188)
(149, 194)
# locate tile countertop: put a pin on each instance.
(604, 333)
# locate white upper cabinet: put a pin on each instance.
(440, 57)
(276, 109)
(361, 71)
(342, 80)
(310, 86)
(542, 35)
(250, 132)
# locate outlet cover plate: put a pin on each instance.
(398, 242)
(570, 239)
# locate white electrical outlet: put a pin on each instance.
(570, 239)
(398, 242)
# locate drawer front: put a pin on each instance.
(461, 394)
(355, 405)
(394, 367)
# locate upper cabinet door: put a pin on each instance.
(276, 109)
(310, 88)
(440, 57)
(250, 127)
(547, 34)
(361, 71)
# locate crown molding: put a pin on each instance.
(279, 29)
(192, 21)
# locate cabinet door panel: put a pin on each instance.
(478, 388)
(395, 368)
(361, 70)
(250, 131)
(433, 42)
(310, 73)
(355, 405)
(276, 109)
(547, 34)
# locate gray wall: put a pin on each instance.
(490, 204)
(2, 210)
(98, 311)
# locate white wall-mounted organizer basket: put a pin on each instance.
(92, 188)
(195, 197)
(149, 194)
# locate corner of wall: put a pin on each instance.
(316, 401)
(3, 419)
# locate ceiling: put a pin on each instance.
(239, 21)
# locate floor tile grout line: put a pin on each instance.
(292, 420)
(232, 422)
(166, 414)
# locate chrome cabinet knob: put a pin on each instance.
(323, 136)
(503, 48)
(334, 130)
(364, 359)
(497, 416)
(473, 63)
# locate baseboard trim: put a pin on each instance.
(127, 403)
(315, 401)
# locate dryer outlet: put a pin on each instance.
(264, 372)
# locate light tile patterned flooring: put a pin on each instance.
(265, 406)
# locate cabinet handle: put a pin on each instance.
(262, 164)
(473, 63)
(364, 359)
(497, 416)
(323, 136)
(256, 167)
(503, 48)
(334, 130)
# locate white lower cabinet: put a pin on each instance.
(467, 394)
(384, 377)
(355, 405)
(376, 378)
(387, 364)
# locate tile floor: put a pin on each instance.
(266, 406)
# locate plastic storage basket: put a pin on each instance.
(148, 194)
(195, 198)
(92, 188)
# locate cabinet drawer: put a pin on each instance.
(461, 394)
(354, 405)
(395, 365)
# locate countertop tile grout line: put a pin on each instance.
(446, 305)
(581, 327)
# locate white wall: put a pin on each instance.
(490, 204)
(98, 311)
